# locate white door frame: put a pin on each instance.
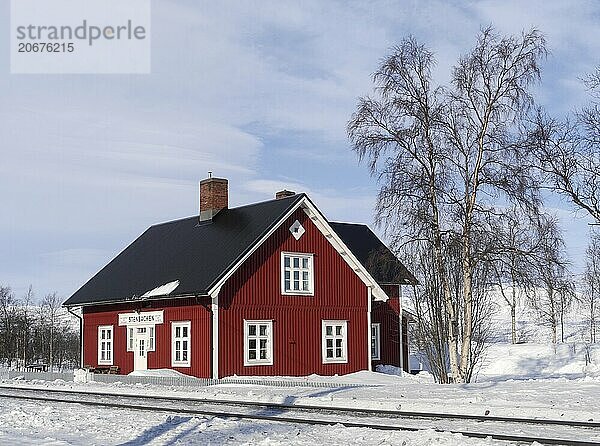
(141, 341)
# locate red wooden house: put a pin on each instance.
(271, 288)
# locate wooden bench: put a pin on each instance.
(106, 370)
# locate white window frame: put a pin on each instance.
(130, 338)
(188, 338)
(108, 341)
(151, 338)
(376, 352)
(269, 338)
(311, 273)
(344, 337)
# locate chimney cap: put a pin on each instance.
(284, 193)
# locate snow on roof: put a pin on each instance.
(162, 290)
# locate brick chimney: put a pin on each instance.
(284, 193)
(214, 196)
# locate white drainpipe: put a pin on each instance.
(400, 333)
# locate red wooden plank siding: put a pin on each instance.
(91, 321)
(254, 292)
(174, 310)
(387, 314)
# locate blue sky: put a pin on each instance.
(258, 92)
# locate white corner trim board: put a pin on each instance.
(214, 304)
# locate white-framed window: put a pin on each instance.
(335, 341)
(180, 344)
(258, 342)
(376, 341)
(105, 344)
(297, 273)
(130, 339)
(151, 338)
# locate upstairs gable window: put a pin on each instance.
(297, 273)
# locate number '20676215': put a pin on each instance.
(46, 47)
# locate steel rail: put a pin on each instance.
(279, 418)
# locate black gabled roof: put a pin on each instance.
(377, 258)
(196, 253)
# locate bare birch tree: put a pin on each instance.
(430, 330)
(8, 319)
(591, 293)
(518, 254)
(490, 95)
(509, 268)
(25, 323)
(51, 306)
(554, 289)
(442, 152)
(568, 152)
(34, 332)
(400, 132)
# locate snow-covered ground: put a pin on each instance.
(558, 398)
(532, 379)
(58, 424)
(504, 361)
(563, 388)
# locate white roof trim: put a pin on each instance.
(235, 267)
(321, 223)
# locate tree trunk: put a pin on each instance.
(513, 321)
(452, 322)
(513, 304)
(467, 332)
(562, 326)
(439, 263)
(553, 321)
(592, 319)
(25, 346)
(51, 345)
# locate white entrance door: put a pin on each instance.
(141, 340)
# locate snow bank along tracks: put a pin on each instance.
(520, 430)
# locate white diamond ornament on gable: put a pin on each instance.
(297, 230)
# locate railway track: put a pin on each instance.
(518, 430)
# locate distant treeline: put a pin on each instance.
(36, 332)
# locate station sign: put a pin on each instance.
(142, 318)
